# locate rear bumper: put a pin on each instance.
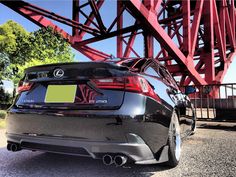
(140, 153)
(137, 130)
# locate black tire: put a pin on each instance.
(174, 142)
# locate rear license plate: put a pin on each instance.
(60, 94)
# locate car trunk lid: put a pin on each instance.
(84, 85)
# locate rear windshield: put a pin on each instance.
(136, 65)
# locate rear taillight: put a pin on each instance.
(135, 84)
(24, 86)
(140, 85)
(115, 83)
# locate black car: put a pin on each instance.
(120, 110)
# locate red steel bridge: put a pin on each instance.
(194, 39)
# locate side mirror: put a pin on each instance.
(189, 90)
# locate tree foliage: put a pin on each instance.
(20, 49)
(14, 47)
(5, 98)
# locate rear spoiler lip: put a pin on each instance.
(110, 65)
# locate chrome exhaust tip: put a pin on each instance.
(13, 147)
(120, 160)
(107, 159)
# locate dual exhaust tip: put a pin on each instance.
(118, 160)
(13, 147)
(107, 159)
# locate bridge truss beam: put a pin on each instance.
(194, 39)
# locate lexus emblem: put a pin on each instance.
(58, 73)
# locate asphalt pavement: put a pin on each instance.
(210, 152)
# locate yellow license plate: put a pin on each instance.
(60, 94)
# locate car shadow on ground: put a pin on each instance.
(217, 126)
(27, 163)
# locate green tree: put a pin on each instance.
(20, 49)
(5, 98)
(14, 47)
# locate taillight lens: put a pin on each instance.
(110, 83)
(140, 85)
(24, 86)
(135, 84)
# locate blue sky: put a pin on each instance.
(63, 8)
